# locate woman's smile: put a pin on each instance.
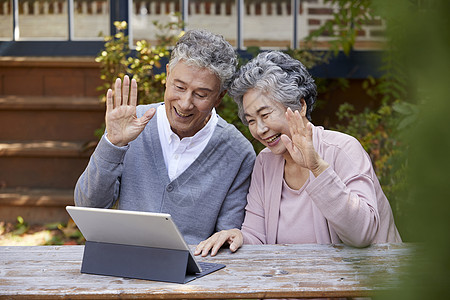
(273, 140)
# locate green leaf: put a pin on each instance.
(403, 108)
(407, 121)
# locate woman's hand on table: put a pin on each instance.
(233, 237)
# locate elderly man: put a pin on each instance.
(178, 157)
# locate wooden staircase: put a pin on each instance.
(49, 111)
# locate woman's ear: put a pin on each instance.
(303, 110)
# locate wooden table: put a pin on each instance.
(266, 271)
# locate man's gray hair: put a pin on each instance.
(280, 77)
(206, 50)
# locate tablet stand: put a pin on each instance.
(136, 262)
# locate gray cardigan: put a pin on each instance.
(209, 196)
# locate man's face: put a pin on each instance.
(191, 93)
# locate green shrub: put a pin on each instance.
(380, 130)
(116, 60)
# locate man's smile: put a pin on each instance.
(180, 114)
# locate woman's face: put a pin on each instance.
(266, 120)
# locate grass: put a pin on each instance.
(23, 234)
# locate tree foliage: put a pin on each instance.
(144, 64)
(348, 19)
(380, 130)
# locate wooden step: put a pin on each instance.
(43, 164)
(35, 206)
(57, 62)
(50, 118)
(46, 148)
(50, 76)
(49, 112)
(14, 102)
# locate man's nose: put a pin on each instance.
(185, 101)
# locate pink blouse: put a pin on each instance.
(295, 212)
(347, 203)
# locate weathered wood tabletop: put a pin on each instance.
(266, 271)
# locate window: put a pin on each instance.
(145, 12)
(77, 27)
(54, 20)
(219, 16)
(42, 20)
(268, 24)
(90, 19)
(6, 20)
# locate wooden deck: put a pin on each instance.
(49, 111)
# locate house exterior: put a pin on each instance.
(49, 105)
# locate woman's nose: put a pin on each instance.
(262, 128)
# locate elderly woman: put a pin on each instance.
(309, 185)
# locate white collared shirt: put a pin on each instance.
(180, 154)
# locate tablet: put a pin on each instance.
(156, 230)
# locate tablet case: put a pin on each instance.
(141, 262)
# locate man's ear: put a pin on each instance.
(219, 99)
(167, 70)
